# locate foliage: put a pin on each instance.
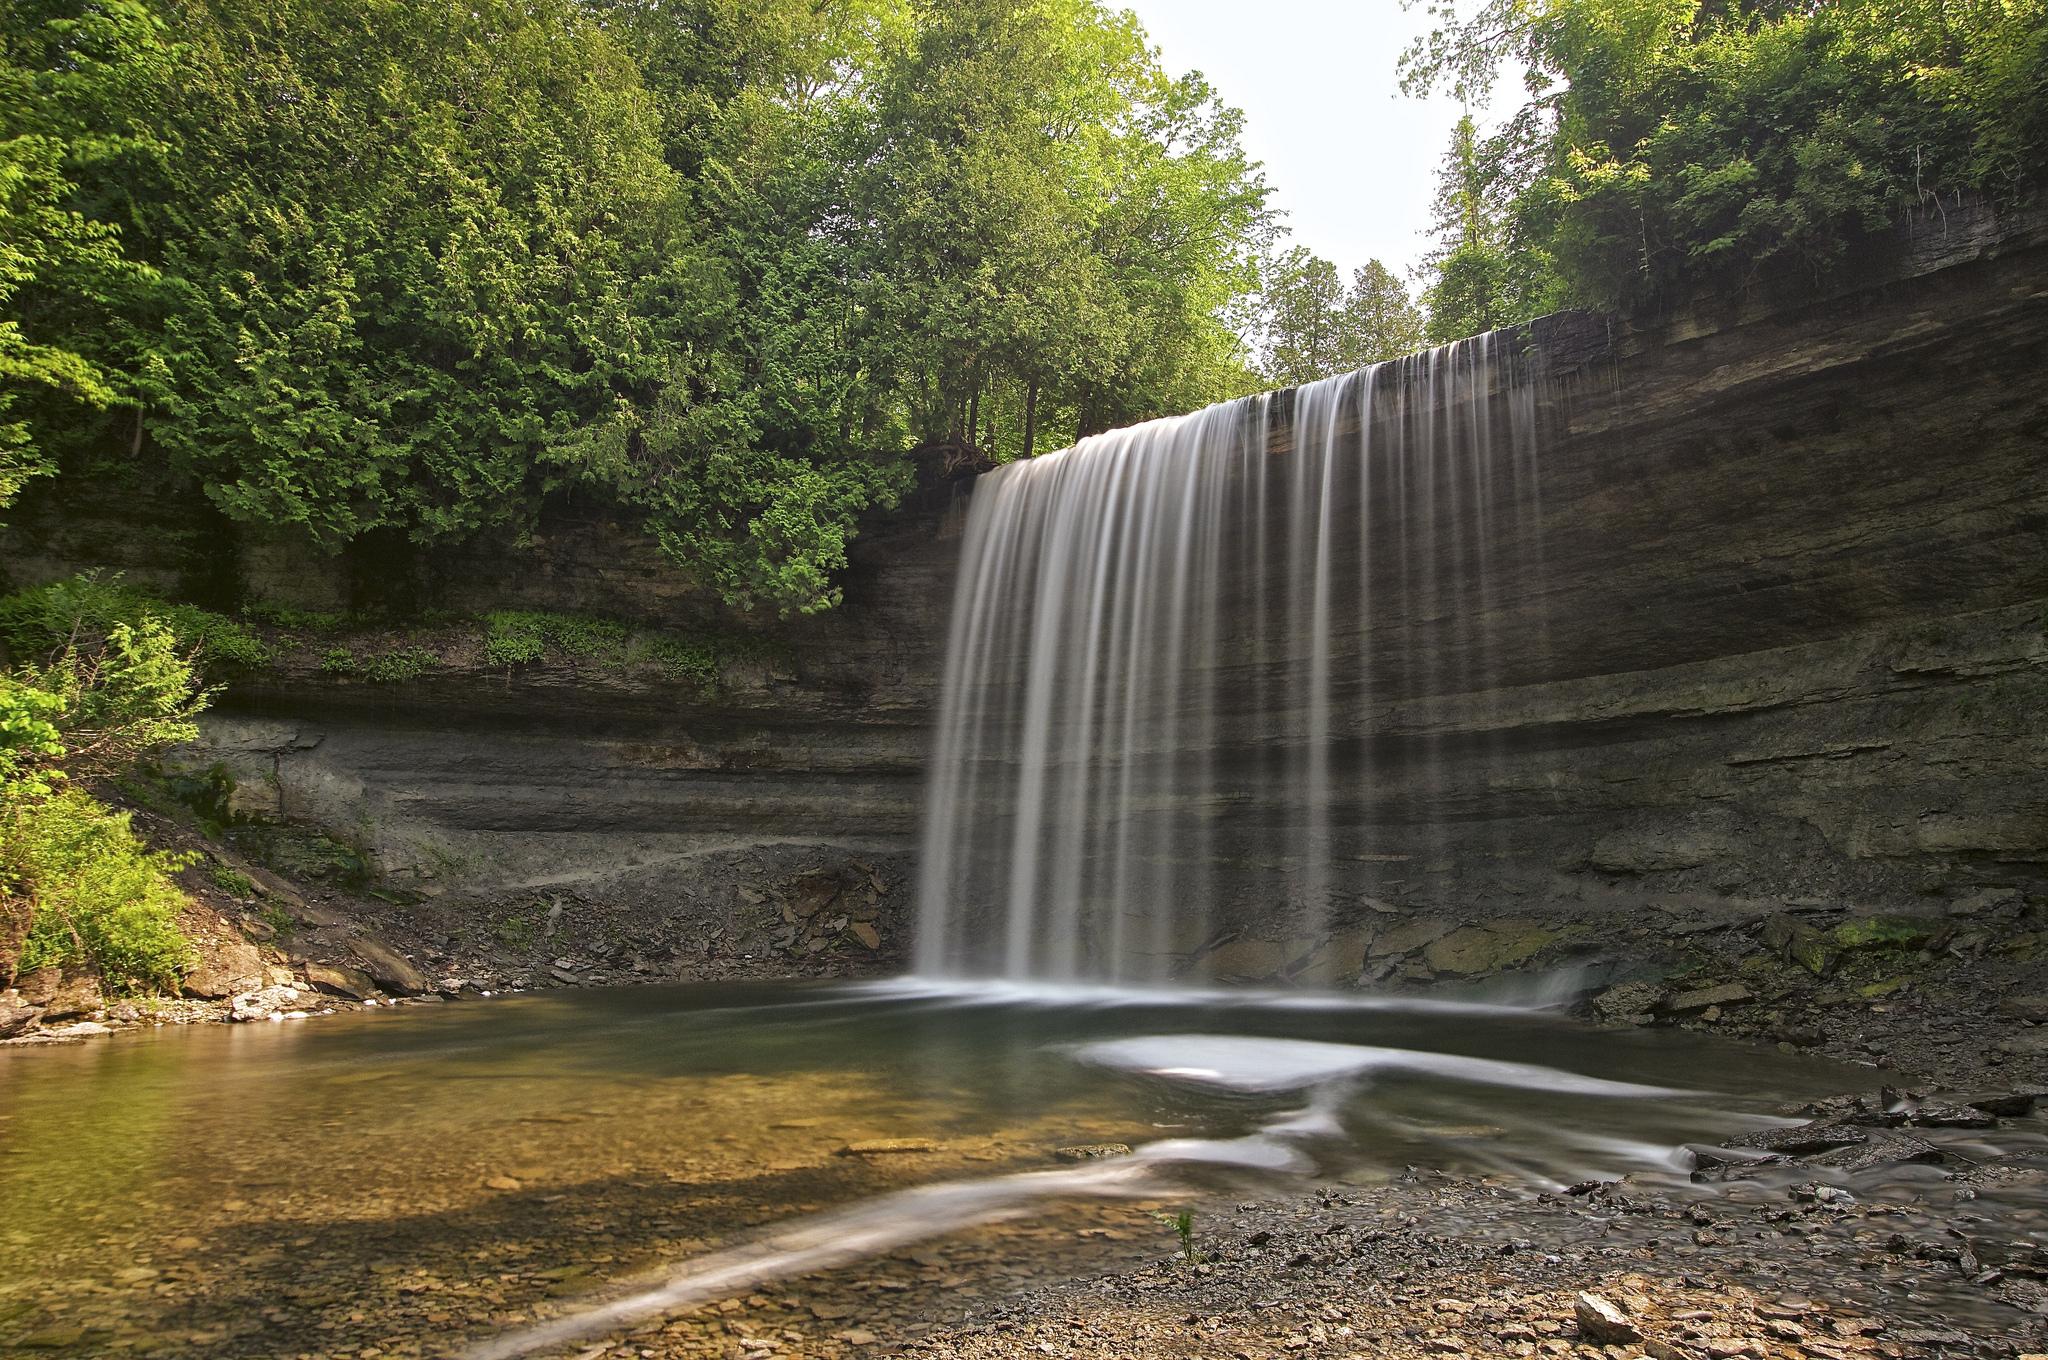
(233, 882)
(404, 272)
(1670, 145)
(516, 637)
(1313, 326)
(83, 609)
(104, 677)
(71, 135)
(96, 894)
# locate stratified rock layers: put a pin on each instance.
(1786, 642)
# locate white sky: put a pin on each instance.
(1352, 161)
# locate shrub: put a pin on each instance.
(515, 637)
(86, 609)
(94, 894)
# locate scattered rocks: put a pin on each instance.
(1818, 1136)
(266, 1003)
(1632, 1002)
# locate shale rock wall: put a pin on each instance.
(1791, 651)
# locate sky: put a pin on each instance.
(1352, 161)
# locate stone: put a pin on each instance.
(869, 937)
(390, 970)
(1335, 962)
(61, 995)
(1653, 850)
(1601, 1323)
(225, 967)
(1707, 998)
(501, 1183)
(1885, 932)
(16, 1015)
(1818, 1136)
(82, 1029)
(264, 1003)
(2032, 1043)
(1475, 951)
(1797, 942)
(1088, 1152)
(1408, 937)
(341, 980)
(1629, 1001)
(2032, 1009)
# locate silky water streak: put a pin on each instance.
(1194, 666)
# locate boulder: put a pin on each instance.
(390, 969)
(1797, 942)
(62, 995)
(1601, 1323)
(16, 1015)
(1629, 1001)
(341, 980)
(224, 968)
(2033, 1009)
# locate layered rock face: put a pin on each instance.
(1784, 643)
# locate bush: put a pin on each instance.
(93, 893)
(85, 610)
(516, 636)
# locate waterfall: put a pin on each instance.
(1200, 670)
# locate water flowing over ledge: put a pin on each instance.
(1166, 643)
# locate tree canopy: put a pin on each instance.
(1670, 146)
(399, 268)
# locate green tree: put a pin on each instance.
(1670, 146)
(1313, 326)
(74, 82)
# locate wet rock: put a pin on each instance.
(1800, 1140)
(1337, 960)
(1408, 937)
(1885, 1148)
(1601, 1323)
(390, 969)
(1885, 932)
(1797, 942)
(1088, 1152)
(225, 968)
(16, 1015)
(1251, 960)
(1692, 1003)
(341, 981)
(1475, 951)
(1634, 1001)
(869, 937)
(2005, 1104)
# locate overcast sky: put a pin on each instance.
(1352, 162)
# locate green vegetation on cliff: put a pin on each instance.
(101, 678)
(1673, 146)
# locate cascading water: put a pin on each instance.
(1196, 665)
